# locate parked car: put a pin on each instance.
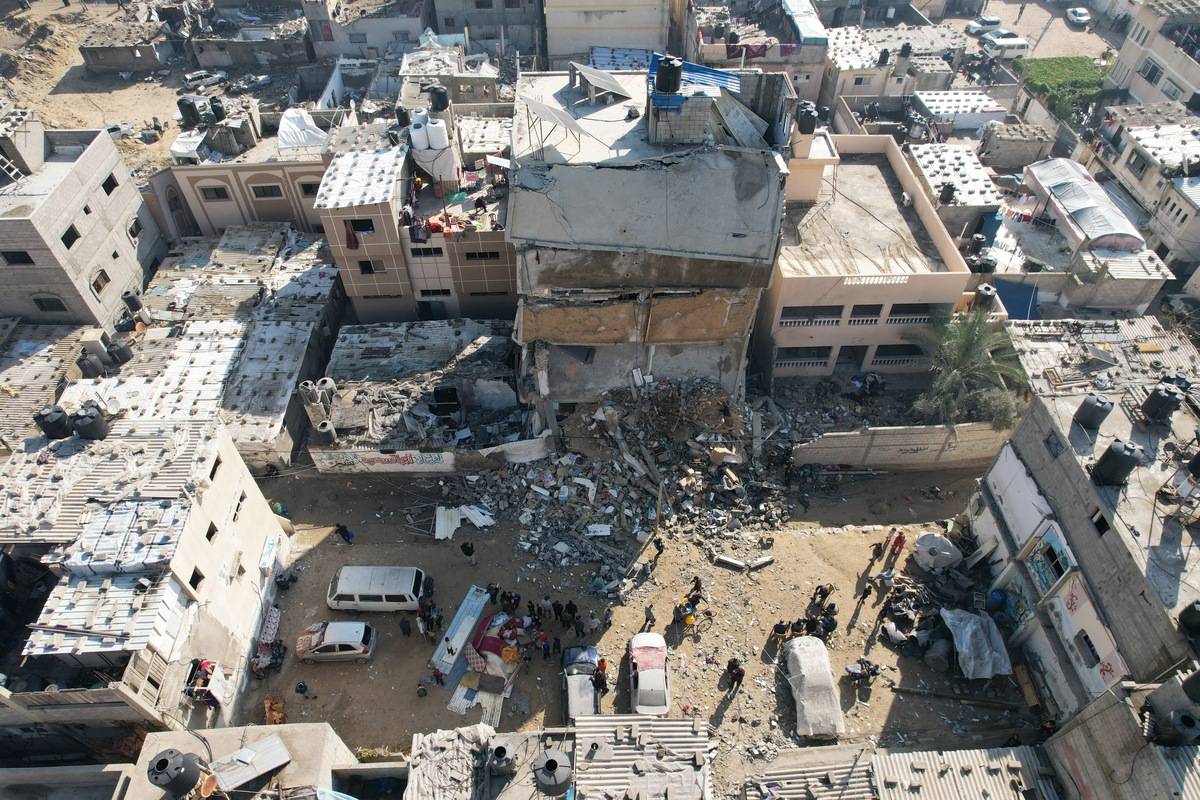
(336, 641)
(1006, 48)
(1000, 33)
(983, 24)
(649, 681)
(818, 704)
(367, 588)
(1078, 16)
(579, 693)
(202, 77)
(120, 131)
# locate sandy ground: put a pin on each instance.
(376, 706)
(1044, 26)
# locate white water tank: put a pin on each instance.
(439, 134)
(419, 135)
(421, 115)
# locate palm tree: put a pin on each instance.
(975, 369)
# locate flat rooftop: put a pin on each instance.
(484, 134)
(958, 164)
(22, 197)
(1170, 145)
(858, 226)
(619, 58)
(600, 132)
(348, 12)
(1170, 112)
(34, 362)
(925, 39)
(361, 177)
(1124, 359)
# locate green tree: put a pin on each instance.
(975, 370)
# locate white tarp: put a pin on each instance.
(977, 640)
(934, 551)
(1079, 203)
(297, 129)
(441, 165)
(818, 704)
(447, 520)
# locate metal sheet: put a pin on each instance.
(553, 116)
(602, 80)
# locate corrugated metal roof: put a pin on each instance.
(127, 536)
(1183, 763)
(34, 361)
(629, 747)
(697, 75)
(47, 489)
(121, 616)
(816, 773)
(995, 773)
(250, 762)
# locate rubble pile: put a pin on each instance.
(671, 457)
(805, 409)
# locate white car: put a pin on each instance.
(1000, 34)
(336, 641)
(121, 130)
(649, 683)
(199, 78)
(981, 25)
(1078, 16)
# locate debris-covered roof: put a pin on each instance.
(361, 177)
(34, 362)
(641, 756)
(957, 164)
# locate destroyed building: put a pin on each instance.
(130, 47)
(229, 329)
(1087, 513)
(420, 397)
(239, 39)
(146, 556)
(864, 260)
(645, 208)
(492, 25)
(661, 26)
(365, 29)
(75, 230)
(36, 361)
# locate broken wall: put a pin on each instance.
(359, 460)
(911, 447)
(542, 268)
(581, 374)
(252, 54)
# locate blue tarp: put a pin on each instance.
(1019, 299)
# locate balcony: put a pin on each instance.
(864, 321)
(810, 322)
(909, 319)
(804, 363)
(898, 361)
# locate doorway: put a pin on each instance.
(850, 356)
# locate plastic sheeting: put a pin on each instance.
(1082, 205)
(297, 129)
(977, 640)
(818, 704)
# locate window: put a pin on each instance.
(449, 21)
(196, 579)
(382, 296)
(1087, 651)
(860, 81)
(49, 305)
(343, 598)
(481, 4)
(100, 281)
(267, 192)
(425, 252)
(135, 228)
(489, 294)
(485, 255)
(212, 531)
(309, 189)
(867, 310)
(435, 293)
(362, 225)
(803, 353)
(358, 38)
(1171, 89)
(15, 258)
(395, 598)
(87, 210)
(898, 351)
(1150, 71)
(370, 598)
(214, 193)
(370, 267)
(110, 184)
(512, 3)
(70, 236)
(1100, 522)
(1054, 560)
(237, 510)
(810, 312)
(1137, 163)
(212, 473)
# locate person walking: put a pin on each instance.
(450, 651)
(898, 544)
(545, 607)
(593, 623)
(493, 590)
(421, 629)
(579, 627)
(344, 532)
(405, 627)
(650, 619)
(533, 614)
(557, 645)
(736, 676)
(439, 677)
(697, 585)
(608, 617)
(1020, 11)
(568, 615)
(659, 547)
(468, 550)
(544, 643)
(558, 610)
(804, 502)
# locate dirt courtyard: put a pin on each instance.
(376, 705)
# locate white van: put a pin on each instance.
(359, 588)
(1006, 48)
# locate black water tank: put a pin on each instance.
(439, 98)
(906, 50)
(977, 244)
(552, 773)
(1191, 682)
(174, 772)
(806, 117)
(946, 196)
(1163, 401)
(120, 352)
(402, 118)
(1092, 412)
(985, 296)
(217, 105)
(1177, 378)
(188, 111)
(1116, 464)
(90, 365)
(1189, 619)
(131, 300)
(885, 56)
(669, 77)
(91, 424)
(733, 37)
(54, 422)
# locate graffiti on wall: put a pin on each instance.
(376, 461)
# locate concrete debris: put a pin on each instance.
(448, 520)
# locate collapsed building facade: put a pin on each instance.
(645, 208)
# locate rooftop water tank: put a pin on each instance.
(806, 117)
(985, 296)
(402, 116)
(91, 424)
(1092, 412)
(53, 422)
(120, 352)
(174, 772)
(1117, 462)
(1189, 618)
(217, 106)
(552, 773)
(669, 77)
(1163, 401)
(946, 196)
(419, 136)
(439, 134)
(1177, 378)
(439, 98)
(131, 300)
(90, 365)
(188, 112)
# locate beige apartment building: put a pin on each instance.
(1160, 57)
(859, 266)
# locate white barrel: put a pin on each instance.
(419, 133)
(420, 117)
(439, 134)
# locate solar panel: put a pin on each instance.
(602, 80)
(555, 116)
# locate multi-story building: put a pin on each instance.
(646, 218)
(75, 231)
(573, 28)
(1160, 58)
(1084, 516)
(365, 30)
(492, 24)
(860, 266)
(161, 553)
(886, 62)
